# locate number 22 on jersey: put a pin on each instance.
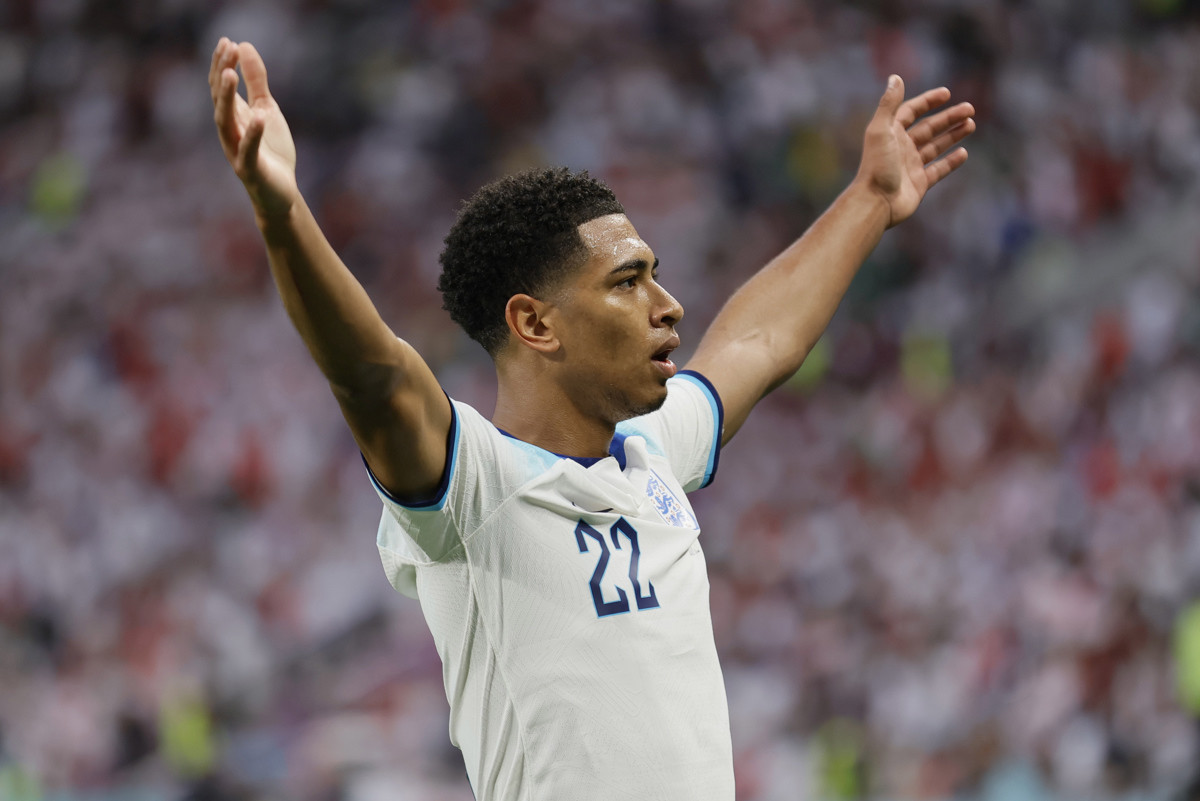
(619, 529)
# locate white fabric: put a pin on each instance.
(550, 700)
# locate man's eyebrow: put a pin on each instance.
(634, 265)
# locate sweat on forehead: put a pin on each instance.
(628, 243)
(613, 234)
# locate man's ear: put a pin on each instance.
(529, 321)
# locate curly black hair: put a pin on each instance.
(516, 235)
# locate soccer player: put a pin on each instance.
(552, 548)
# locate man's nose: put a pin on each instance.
(669, 310)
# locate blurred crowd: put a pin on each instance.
(949, 559)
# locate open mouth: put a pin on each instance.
(662, 359)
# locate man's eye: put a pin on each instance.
(628, 282)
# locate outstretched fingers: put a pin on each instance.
(946, 140)
(942, 167)
(255, 73)
(223, 81)
(921, 105)
(935, 125)
(225, 57)
(213, 71)
(225, 112)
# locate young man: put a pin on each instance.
(552, 548)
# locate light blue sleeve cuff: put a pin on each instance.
(718, 413)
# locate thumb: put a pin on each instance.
(893, 96)
(251, 140)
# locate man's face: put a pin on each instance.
(616, 324)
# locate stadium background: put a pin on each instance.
(954, 557)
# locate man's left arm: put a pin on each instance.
(766, 329)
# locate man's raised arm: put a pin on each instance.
(767, 328)
(397, 411)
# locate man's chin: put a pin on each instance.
(648, 407)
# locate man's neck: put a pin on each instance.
(545, 416)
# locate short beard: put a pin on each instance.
(624, 411)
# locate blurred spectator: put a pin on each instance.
(947, 560)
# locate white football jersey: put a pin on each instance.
(568, 599)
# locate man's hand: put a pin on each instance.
(900, 160)
(769, 325)
(253, 132)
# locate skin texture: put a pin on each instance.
(578, 360)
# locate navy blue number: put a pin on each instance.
(603, 608)
(649, 601)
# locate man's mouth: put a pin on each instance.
(662, 357)
(663, 354)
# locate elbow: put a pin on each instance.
(776, 357)
(790, 365)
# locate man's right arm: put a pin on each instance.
(390, 398)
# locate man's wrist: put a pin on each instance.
(862, 196)
(278, 222)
